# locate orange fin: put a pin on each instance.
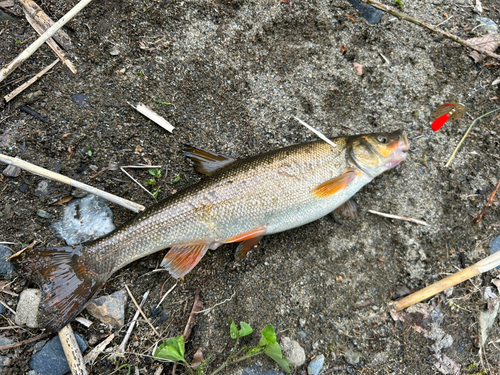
(183, 258)
(348, 209)
(245, 246)
(332, 186)
(257, 232)
(66, 283)
(207, 162)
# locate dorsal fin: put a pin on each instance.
(207, 162)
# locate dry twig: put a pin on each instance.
(92, 356)
(197, 305)
(153, 116)
(59, 177)
(24, 342)
(121, 348)
(488, 203)
(394, 12)
(317, 132)
(42, 39)
(142, 312)
(399, 217)
(27, 84)
(72, 351)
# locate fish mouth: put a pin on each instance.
(399, 154)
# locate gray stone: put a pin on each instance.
(371, 14)
(85, 219)
(5, 266)
(254, 370)
(2, 309)
(4, 362)
(495, 246)
(27, 307)
(5, 341)
(11, 171)
(42, 190)
(352, 357)
(315, 366)
(109, 309)
(50, 360)
(293, 352)
(44, 214)
(79, 193)
(486, 25)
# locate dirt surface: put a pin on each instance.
(234, 72)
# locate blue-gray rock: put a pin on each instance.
(109, 309)
(4, 362)
(27, 308)
(371, 14)
(50, 360)
(486, 25)
(12, 171)
(495, 246)
(84, 220)
(5, 341)
(315, 366)
(44, 214)
(5, 266)
(2, 309)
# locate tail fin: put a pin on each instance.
(66, 282)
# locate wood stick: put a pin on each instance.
(394, 12)
(121, 348)
(27, 84)
(399, 217)
(21, 343)
(72, 351)
(488, 203)
(37, 43)
(66, 180)
(44, 22)
(153, 116)
(476, 269)
(317, 132)
(140, 310)
(51, 42)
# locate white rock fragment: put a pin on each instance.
(293, 352)
(27, 308)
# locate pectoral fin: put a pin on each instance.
(245, 246)
(332, 186)
(207, 162)
(183, 258)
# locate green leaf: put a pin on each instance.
(155, 172)
(156, 192)
(162, 102)
(233, 330)
(172, 349)
(273, 350)
(268, 336)
(245, 329)
(175, 180)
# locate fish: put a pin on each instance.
(239, 200)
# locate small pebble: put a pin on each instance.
(293, 352)
(352, 357)
(4, 362)
(315, 366)
(5, 341)
(486, 25)
(42, 190)
(27, 308)
(44, 214)
(5, 265)
(81, 99)
(495, 246)
(11, 171)
(109, 309)
(371, 14)
(2, 309)
(50, 360)
(302, 334)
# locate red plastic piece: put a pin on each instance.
(440, 121)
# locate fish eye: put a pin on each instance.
(381, 139)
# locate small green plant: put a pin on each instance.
(162, 102)
(175, 180)
(173, 349)
(156, 173)
(18, 41)
(140, 73)
(400, 3)
(89, 151)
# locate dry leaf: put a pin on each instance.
(488, 42)
(62, 201)
(358, 69)
(342, 49)
(351, 18)
(197, 359)
(494, 98)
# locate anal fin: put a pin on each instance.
(181, 259)
(207, 162)
(330, 187)
(245, 246)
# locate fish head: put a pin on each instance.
(375, 153)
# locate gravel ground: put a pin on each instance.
(233, 73)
